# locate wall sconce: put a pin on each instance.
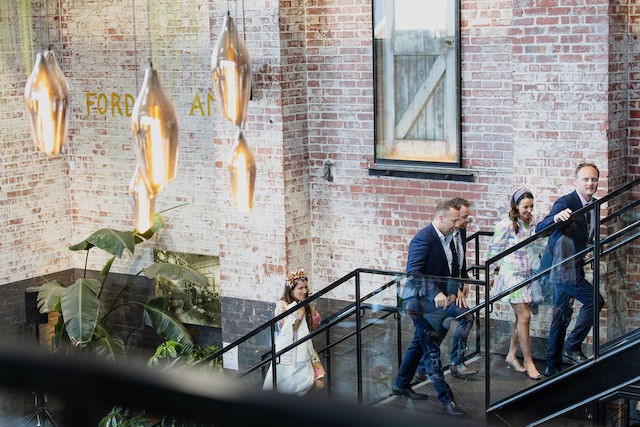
(142, 204)
(242, 172)
(154, 123)
(231, 73)
(47, 99)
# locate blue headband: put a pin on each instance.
(519, 194)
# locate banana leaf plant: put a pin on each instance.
(80, 324)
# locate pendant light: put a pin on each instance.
(142, 203)
(154, 123)
(47, 100)
(231, 73)
(242, 172)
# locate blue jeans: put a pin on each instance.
(460, 335)
(425, 342)
(562, 311)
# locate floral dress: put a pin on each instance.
(515, 267)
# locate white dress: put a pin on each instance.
(295, 374)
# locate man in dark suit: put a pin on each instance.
(581, 232)
(430, 254)
(464, 325)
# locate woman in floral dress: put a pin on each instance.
(513, 269)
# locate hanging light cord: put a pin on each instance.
(150, 36)
(244, 37)
(46, 6)
(135, 42)
(59, 4)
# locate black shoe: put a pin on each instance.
(462, 371)
(408, 392)
(549, 371)
(452, 409)
(576, 356)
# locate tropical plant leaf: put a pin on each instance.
(158, 223)
(113, 241)
(80, 307)
(175, 272)
(107, 267)
(60, 338)
(107, 345)
(82, 246)
(164, 323)
(49, 295)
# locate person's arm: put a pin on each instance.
(499, 239)
(416, 261)
(560, 211)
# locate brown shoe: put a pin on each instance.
(462, 371)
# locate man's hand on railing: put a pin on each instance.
(562, 215)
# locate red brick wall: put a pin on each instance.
(542, 89)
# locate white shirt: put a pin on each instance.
(446, 241)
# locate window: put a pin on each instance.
(417, 96)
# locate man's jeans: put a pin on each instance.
(459, 343)
(425, 342)
(562, 311)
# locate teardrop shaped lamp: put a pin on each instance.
(142, 204)
(242, 171)
(154, 123)
(47, 98)
(231, 73)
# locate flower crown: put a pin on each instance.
(292, 278)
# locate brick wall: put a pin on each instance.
(542, 89)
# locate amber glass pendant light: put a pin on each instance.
(154, 123)
(242, 172)
(231, 73)
(142, 204)
(47, 99)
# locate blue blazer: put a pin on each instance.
(426, 256)
(578, 232)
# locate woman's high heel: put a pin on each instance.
(515, 364)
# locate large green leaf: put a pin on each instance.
(80, 307)
(107, 345)
(175, 272)
(113, 241)
(107, 267)
(164, 323)
(109, 240)
(49, 295)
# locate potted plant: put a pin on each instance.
(83, 315)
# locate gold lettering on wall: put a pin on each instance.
(122, 104)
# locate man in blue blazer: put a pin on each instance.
(581, 232)
(464, 325)
(430, 254)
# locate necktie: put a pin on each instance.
(455, 262)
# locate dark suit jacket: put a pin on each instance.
(578, 232)
(426, 256)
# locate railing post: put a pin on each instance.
(595, 268)
(274, 376)
(487, 337)
(327, 355)
(358, 338)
